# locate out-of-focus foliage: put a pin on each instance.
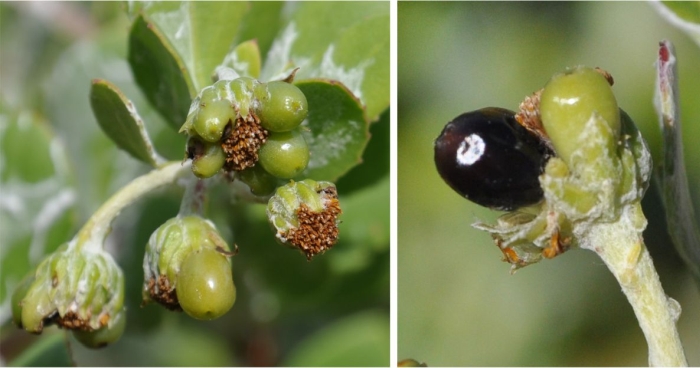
(671, 174)
(287, 308)
(458, 303)
(685, 15)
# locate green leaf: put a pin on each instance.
(159, 71)
(344, 41)
(49, 351)
(103, 166)
(121, 122)
(357, 341)
(337, 129)
(364, 47)
(244, 59)
(680, 215)
(262, 23)
(200, 32)
(37, 211)
(376, 160)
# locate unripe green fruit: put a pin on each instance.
(17, 296)
(208, 164)
(567, 104)
(283, 107)
(204, 286)
(222, 89)
(242, 89)
(211, 120)
(284, 155)
(243, 84)
(208, 94)
(168, 248)
(104, 336)
(411, 363)
(73, 288)
(260, 182)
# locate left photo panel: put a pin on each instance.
(195, 184)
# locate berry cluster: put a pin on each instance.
(568, 160)
(187, 267)
(231, 126)
(77, 289)
(494, 156)
(234, 124)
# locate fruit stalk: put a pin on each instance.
(194, 198)
(98, 226)
(621, 246)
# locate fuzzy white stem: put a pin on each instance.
(621, 247)
(195, 197)
(94, 232)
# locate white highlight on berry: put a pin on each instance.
(470, 150)
(566, 101)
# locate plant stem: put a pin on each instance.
(621, 247)
(195, 197)
(94, 232)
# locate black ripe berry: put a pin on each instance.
(489, 158)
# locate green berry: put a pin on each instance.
(411, 363)
(168, 248)
(284, 155)
(283, 107)
(204, 286)
(207, 95)
(242, 89)
(260, 182)
(222, 89)
(568, 103)
(87, 283)
(211, 120)
(105, 335)
(17, 296)
(210, 162)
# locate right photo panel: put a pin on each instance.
(548, 195)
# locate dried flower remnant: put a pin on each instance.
(317, 232)
(242, 142)
(160, 290)
(529, 116)
(305, 216)
(606, 74)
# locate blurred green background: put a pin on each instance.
(457, 303)
(329, 312)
